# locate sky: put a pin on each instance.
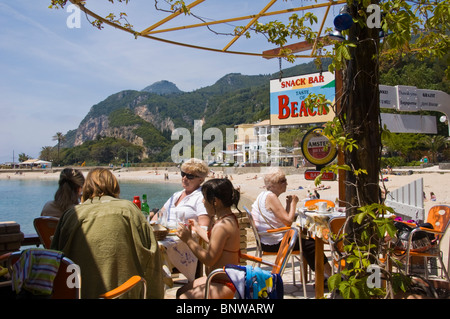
(54, 69)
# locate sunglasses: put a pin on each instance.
(188, 176)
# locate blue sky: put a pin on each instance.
(51, 75)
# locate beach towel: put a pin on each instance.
(255, 283)
(35, 271)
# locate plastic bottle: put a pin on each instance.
(137, 201)
(144, 206)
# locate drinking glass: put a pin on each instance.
(181, 218)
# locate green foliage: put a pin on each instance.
(102, 151)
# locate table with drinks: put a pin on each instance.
(176, 254)
(314, 223)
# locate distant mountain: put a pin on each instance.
(148, 117)
(163, 88)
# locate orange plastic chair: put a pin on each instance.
(336, 227)
(439, 217)
(294, 254)
(45, 228)
(61, 290)
(315, 201)
(125, 287)
(278, 266)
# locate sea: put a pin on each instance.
(22, 200)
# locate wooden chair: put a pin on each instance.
(45, 228)
(278, 266)
(67, 273)
(294, 254)
(439, 218)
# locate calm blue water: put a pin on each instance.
(22, 200)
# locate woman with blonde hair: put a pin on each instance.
(268, 213)
(68, 194)
(190, 199)
(109, 239)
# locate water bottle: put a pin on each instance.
(144, 206)
(137, 201)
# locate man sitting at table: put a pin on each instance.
(269, 213)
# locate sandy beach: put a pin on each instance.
(251, 184)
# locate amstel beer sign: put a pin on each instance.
(317, 148)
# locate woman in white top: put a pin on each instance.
(269, 213)
(190, 199)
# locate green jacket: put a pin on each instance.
(110, 240)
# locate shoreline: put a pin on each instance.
(250, 182)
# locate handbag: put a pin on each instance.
(421, 241)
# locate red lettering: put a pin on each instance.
(322, 111)
(303, 111)
(283, 108)
(294, 109)
(311, 112)
(321, 78)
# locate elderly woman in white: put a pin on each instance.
(269, 213)
(190, 199)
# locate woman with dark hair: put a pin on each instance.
(223, 238)
(109, 239)
(68, 194)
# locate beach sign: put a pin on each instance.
(317, 148)
(287, 97)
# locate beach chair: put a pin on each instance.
(439, 218)
(67, 281)
(45, 227)
(295, 254)
(244, 290)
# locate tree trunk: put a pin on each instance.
(361, 116)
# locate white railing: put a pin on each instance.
(407, 201)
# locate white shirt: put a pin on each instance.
(262, 223)
(192, 205)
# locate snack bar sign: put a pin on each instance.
(287, 97)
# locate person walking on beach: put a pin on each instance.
(223, 238)
(109, 239)
(67, 195)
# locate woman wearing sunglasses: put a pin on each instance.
(190, 199)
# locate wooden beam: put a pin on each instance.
(170, 17)
(295, 47)
(249, 24)
(266, 14)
